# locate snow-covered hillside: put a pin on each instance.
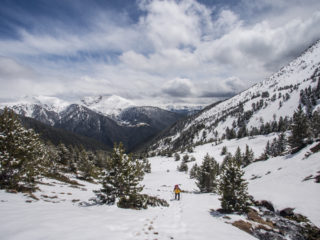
(58, 215)
(274, 98)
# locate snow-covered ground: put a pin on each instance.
(58, 215)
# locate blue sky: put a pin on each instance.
(149, 50)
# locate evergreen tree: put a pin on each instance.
(224, 150)
(190, 149)
(183, 167)
(194, 171)
(54, 159)
(315, 124)
(207, 174)
(185, 158)
(300, 130)
(248, 156)
(243, 132)
(233, 188)
(102, 160)
(278, 146)
(225, 160)
(64, 154)
(176, 156)
(238, 156)
(146, 165)
(73, 159)
(282, 143)
(22, 154)
(230, 134)
(86, 165)
(121, 180)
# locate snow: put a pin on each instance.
(107, 105)
(56, 216)
(187, 219)
(27, 104)
(281, 182)
(284, 185)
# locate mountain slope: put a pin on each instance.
(270, 101)
(56, 135)
(132, 125)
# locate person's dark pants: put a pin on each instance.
(177, 195)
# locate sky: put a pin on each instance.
(149, 51)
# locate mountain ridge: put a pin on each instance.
(274, 99)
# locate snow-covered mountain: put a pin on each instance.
(26, 103)
(50, 109)
(269, 101)
(42, 108)
(107, 105)
(105, 119)
(185, 109)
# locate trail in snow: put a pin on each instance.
(189, 218)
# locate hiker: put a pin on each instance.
(177, 191)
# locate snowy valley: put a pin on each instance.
(282, 174)
(56, 213)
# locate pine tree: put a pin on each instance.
(73, 159)
(185, 158)
(282, 143)
(315, 124)
(224, 150)
(279, 145)
(183, 167)
(64, 154)
(86, 166)
(300, 130)
(238, 156)
(248, 156)
(53, 158)
(102, 159)
(267, 151)
(207, 174)
(121, 180)
(146, 165)
(225, 160)
(233, 188)
(176, 156)
(194, 171)
(22, 154)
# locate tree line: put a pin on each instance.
(25, 159)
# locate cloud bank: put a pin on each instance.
(181, 50)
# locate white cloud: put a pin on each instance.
(178, 48)
(179, 87)
(12, 70)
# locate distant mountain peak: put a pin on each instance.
(49, 103)
(107, 105)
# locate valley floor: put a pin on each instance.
(58, 215)
(55, 216)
